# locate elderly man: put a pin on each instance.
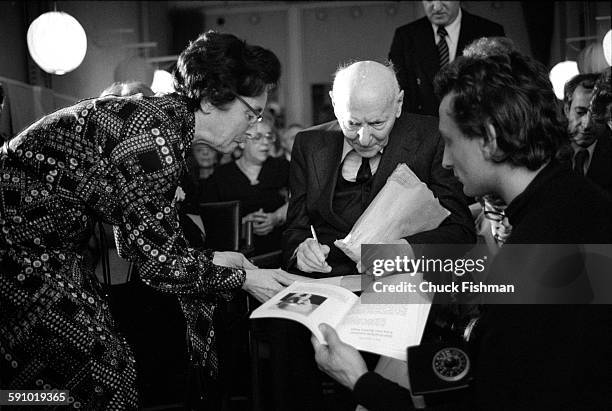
(419, 49)
(339, 167)
(588, 132)
(502, 134)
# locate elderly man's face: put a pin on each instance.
(367, 123)
(441, 13)
(583, 128)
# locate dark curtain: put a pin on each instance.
(540, 20)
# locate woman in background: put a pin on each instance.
(260, 183)
(205, 160)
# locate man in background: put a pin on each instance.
(588, 132)
(421, 48)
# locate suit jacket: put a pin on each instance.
(415, 57)
(315, 163)
(600, 169)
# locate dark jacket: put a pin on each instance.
(316, 160)
(415, 57)
(535, 357)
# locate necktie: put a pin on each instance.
(364, 173)
(580, 160)
(443, 47)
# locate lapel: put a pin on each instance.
(600, 169)
(466, 32)
(427, 51)
(326, 163)
(403, 147)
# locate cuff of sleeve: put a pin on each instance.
(292, 260)
(377, 393)
(209, 254)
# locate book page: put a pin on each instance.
(386, 329)
(309, 304)
(350, 282)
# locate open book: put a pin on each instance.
(385, 329)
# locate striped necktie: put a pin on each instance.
(443, 47)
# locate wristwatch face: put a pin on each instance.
(451, 364)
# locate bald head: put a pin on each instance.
(367, 100)
(367, 82)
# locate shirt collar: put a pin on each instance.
(346, 148)
(590, 148)
(452, 29)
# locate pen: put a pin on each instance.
(314, 234)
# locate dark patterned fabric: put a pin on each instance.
(120, 160)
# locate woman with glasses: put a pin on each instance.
(260, 182)
(119, 160)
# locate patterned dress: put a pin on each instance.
(118, 160)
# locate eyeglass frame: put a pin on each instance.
(270, 137)
(495, 215)
(258, 114)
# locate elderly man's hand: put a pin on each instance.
(340, 361)
(311, 257)
(263, 284)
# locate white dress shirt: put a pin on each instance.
(351, 161)
(453, 36)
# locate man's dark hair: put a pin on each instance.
(514, 94)
(586, 80)
(217, 66)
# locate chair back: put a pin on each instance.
(222, 224)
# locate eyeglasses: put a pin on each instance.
(256, 117)
(270, 137)
(494, 215)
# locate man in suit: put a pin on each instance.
(588, 132)
(339, 167)
(336, 170)
(419, 49)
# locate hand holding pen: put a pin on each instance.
(311, 255)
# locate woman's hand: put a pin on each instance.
(233, 260)
(264, 284)
(263, 223)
